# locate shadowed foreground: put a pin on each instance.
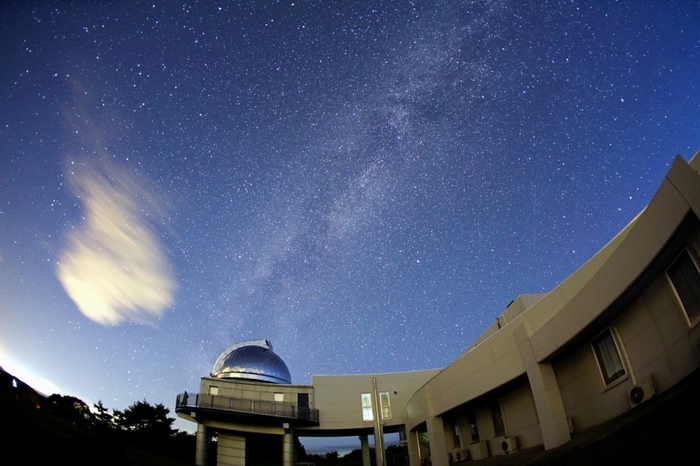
(660, 431)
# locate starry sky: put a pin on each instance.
(367, 184)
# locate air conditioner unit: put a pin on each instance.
(509, 445)
(641, 392)
(458, 454)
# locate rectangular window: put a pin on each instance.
(278, 397)
(497, 416)
(608, 356)
(386, 406)
(456, 435)
(213, 390)
(686, 281)
(473, 427)
(367, 407)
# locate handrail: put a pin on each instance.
(245, 405)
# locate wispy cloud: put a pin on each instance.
(113, 266)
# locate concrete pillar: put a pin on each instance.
(413, 448)
(364, 442)
(202, 444)
(545, 391)
(288, 447)
(438, 444)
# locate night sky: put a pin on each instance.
(366, 184)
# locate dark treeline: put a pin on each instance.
(396, 455)
(64, 427)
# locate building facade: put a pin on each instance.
(619, 331)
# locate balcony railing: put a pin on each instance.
(244, 405)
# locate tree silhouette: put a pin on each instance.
(69, 408)
(102, 419)
(146, 420)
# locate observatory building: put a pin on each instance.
(618, 332)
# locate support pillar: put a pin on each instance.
(413, 448)
(288, 446)
(545, 392)
(438, 444)
(202, 445)
(364, 442)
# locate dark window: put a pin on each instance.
(497, 415)
(303, 402)
(686, 281)
(473, 427)
(456, 434)
(608, 356)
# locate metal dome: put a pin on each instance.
(252, 360)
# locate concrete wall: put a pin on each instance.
(586, 401)
(657, 341)
(521, 416)
(230, 450)
(338, 397)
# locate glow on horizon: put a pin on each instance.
(26, 375)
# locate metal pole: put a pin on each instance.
(378, 434)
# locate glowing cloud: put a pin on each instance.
(113, 267)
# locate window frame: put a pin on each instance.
(367, 411)
(385, 408)
(609, 380)
(499, 422)
(456, 433)
(685, 253)
(473, 427)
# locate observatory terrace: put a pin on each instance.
(250, 383)
(197, 405)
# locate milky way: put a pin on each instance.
(366, 184)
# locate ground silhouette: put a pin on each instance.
(62, 430)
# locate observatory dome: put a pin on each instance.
(251, 360)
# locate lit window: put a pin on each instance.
(213, 390)
(367, 407)
(686, 281)
(279, 397)
(384, 403)
(386, 406)
(608, 356)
